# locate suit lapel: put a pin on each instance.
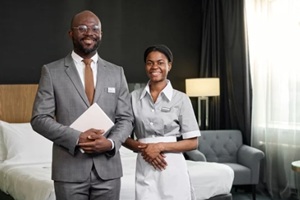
(72, 73)
(100, 86)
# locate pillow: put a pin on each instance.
(24, 145)
(2, 147)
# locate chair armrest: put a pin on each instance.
(195, 155)
(247, 155)
(250, 157)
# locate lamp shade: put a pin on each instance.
(202, 87)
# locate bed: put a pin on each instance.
(25, 157)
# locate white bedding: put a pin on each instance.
(27, 181)
(210, 179)
(33, 182)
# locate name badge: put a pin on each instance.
(111, 90)
(165, 109)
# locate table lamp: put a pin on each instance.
(202, 88)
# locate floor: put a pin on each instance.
(247, 195)
(241, 195)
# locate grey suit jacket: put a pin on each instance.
(61, 99)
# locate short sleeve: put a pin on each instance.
(187, 119)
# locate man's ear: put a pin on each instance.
(101, 34)
(70, 33)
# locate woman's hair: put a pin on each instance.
(162, 49)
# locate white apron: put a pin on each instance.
(173, 183)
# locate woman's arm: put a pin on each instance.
(132, 144)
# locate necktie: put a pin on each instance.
(89, 80)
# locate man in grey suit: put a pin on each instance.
(86, 165)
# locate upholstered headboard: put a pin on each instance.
(16, 102)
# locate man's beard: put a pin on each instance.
(87, 50)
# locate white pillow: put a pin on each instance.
(2, 146)
(24, 145)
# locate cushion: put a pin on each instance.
(23, 145)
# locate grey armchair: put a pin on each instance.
(226, 146)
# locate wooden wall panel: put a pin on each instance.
(16, 102)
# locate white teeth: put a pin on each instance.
(88, 41)
(155, 72)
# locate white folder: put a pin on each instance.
(93, 117)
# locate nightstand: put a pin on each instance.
(296, 168)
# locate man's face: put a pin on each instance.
(86, 34)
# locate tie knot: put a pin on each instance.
(87, 61)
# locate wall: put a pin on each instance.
(34, 32)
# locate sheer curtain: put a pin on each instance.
(274, 50)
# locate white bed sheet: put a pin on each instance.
(33, 182)
(210, 179)
(27, 181)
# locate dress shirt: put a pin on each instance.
(171, 115)
(79, 64)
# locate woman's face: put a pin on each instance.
(157, 66)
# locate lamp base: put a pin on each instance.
(203, 123)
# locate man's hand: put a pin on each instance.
(90, 135)
(93, 141)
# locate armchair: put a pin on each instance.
(226, 146)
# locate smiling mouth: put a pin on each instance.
(88, 41)
(155, 73)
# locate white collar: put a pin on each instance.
(78, 59)
(167, 91)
